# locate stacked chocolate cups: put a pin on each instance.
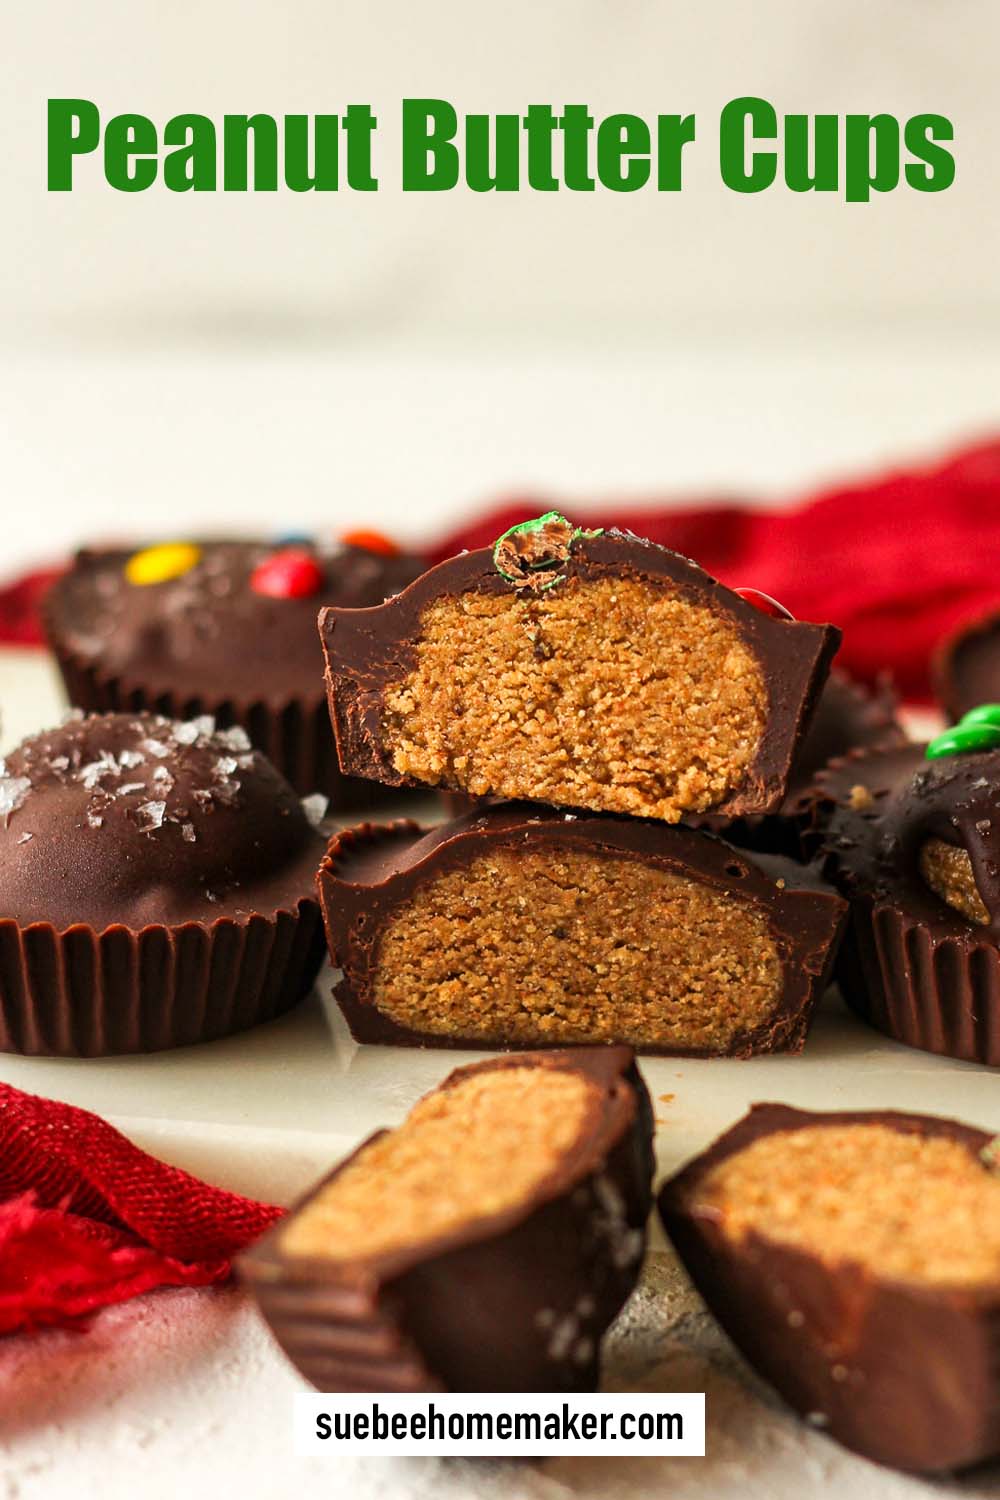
(602, 698)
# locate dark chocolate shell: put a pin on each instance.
(907, 1374)
(512, 1301)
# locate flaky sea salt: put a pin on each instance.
(150, 816)
(315, 807)
(25, 838)
(155, 747)
(235, 738)
(13, 790)
(225, 765)
(163, 778)
(96, 770)
(131, 786)
(193, 729)
(94, 820)
(188, 833)
(129, 758)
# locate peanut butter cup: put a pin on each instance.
(156, 887)
(226, 628)
(483, 1245)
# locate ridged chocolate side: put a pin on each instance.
(81, 993)
(906, 1375)
(369, 650)
(370, 872)
(295, 736)
(519, 1303)
(938, 994)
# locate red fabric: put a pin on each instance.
(19, 601)
(87, 1219)
(896, 562)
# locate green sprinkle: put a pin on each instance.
(963, 739)
(986, 713)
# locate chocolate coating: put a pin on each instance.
(129, 819)
(475, 1310)
(370, 872)
(966, 667)
(369, 650)
(911, 964)
(907, 1375)
(207, 642)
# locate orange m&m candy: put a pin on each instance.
(371, 541)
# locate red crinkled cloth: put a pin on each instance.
(87, 1219)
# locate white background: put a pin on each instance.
(274, 359)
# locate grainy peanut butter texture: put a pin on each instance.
(917, 1208)
(566, 946)
(611, 694)
(948, 872)
(464, 1153)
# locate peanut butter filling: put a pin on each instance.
(615, 695)
(904, 1206)
(569, 946)
(462, 1154)
(948, 872)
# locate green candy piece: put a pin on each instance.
(963, 739)
(545, 563)
(986, 713)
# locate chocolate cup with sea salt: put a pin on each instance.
(156, 887)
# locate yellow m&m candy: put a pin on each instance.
(158, 564)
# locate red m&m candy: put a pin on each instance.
(292, 574)
(765, 603)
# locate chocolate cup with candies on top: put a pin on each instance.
(226, 628)
(156, 887)
(580, 669)
(913, 844)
